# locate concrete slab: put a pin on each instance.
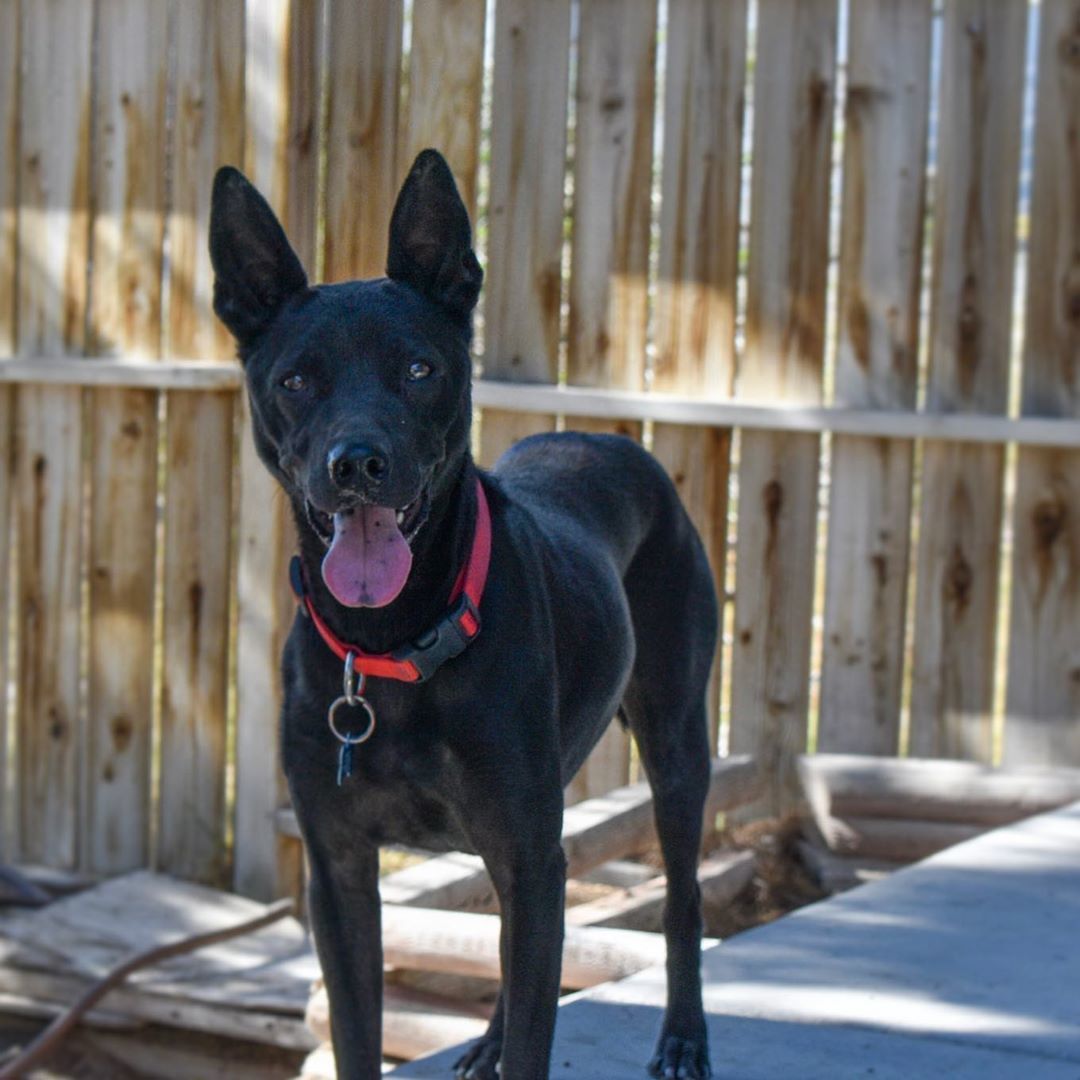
(964, 965)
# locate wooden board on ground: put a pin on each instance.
(522, 290)
(254, 986)
(1043, 698)
(886, 117)
(785, 338)
(982, 75)
(53, 233)
(594, 831)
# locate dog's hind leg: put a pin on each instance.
(677, 765)
(675, 627)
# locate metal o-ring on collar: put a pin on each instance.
(352, 694)
(351, 739)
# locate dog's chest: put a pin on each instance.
(399, 787)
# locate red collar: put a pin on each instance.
(448, 638)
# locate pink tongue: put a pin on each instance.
(369, 561)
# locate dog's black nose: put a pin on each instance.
(354, 466)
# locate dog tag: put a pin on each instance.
(344, 762)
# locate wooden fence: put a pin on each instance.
(677, 286)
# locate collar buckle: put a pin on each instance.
(448, 638)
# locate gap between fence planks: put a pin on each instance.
(598, 829)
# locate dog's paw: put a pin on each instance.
(480, 1061)
(680, 1059)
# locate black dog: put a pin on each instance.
(598, 600)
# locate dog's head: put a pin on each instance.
(359, 391)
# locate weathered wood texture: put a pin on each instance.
(612, 185)
(932, 790)
(700, 186)
(363, 86)
(1043, 696)
(525, 209)
(699, 240)
(778, 473)
(446, 77)
(10, 155)
(610, 245)
(208, 132)
(885, 126)
(127, 243)
(285, 169)
(605, 827)
(974, 245)
(53, 231)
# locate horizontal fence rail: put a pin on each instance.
(600, 404)
(725, 230)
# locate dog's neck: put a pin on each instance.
(440, 549)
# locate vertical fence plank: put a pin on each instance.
(446, 76)
(886, 118)
(363, 84)
(525, 219)
(974, 244)
(612, 182)
(610, 247)
(699, 241)
(9, 164)
(53, 235)
(128, 178)
(282, 47)
(778, 473)
(208, 131)
(1043, 699)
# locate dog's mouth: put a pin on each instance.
(368, 555)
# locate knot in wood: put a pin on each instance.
(958, 579)
(772, 498)
(1048, 520)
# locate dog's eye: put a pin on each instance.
(419, 369)
(293, 382)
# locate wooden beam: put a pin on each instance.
(721, 878)
(843, 785)
(467, 943)
(594, 831)
(130, 372)
(585, 402)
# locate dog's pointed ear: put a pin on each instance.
(430, 237)
(255, 269)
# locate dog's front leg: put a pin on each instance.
(532, 900)
(343, 897)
